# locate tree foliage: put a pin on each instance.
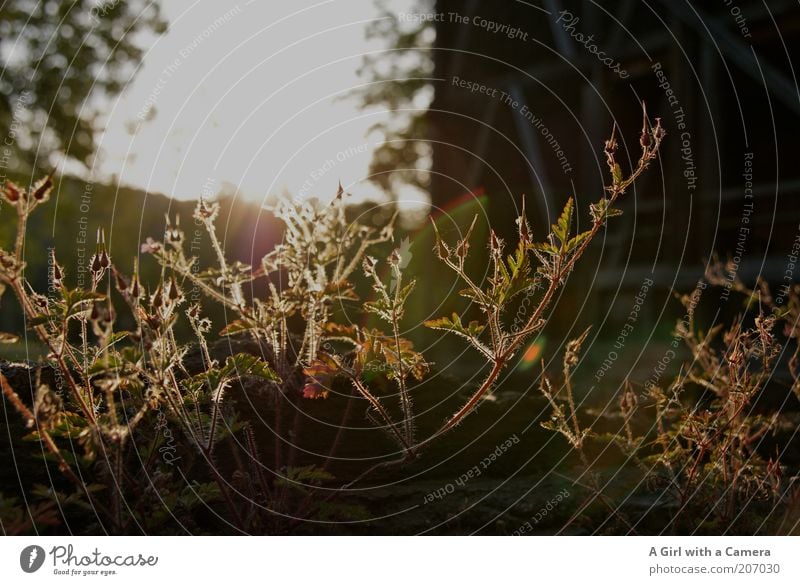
(399, 81)
(54, 56)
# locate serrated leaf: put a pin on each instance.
(41, 320)
(320, 374)
(444, 322)
(474, 328)
(77, 295)
(575, 242)
(562, 226)
(310, 474)
(545, 247)
(379, 307)
(244, 364)
(342, 290)
(237, 326)
(454, 324)
(616, 174)
(339, 330)
(601, 211)
(470, 294)
(402, 296)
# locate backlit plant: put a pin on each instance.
(109, 381)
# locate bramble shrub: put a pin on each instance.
(123, 404)
(709, 444)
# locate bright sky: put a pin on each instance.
(245, 93)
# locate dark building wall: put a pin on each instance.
(732, 92)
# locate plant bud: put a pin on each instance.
(150, 246)
(442, 251)
(206, 210)
(628, 402)
(369, 264)
(658, 130)
(174, 292)
(11, 192)
(495, 245)
(158, 299)
(462, 249)
(42, 189)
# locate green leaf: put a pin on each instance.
(601, 211)
(300, 477)
(78, 300)
(405, 292)
(616, 174)
(454, 324)
(244, 364)
(470, 294)
(545, 247)
(237, 326)
(77, 295)
(380, 307)
(562, 227)
(513, 275)
(575, 242)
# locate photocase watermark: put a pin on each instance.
(474, 471)
(569, 21)
(100, 10)
(170, 70)
(207, 192)
(788, 273)
(31, 558)
(732, 268)
(521, 316)
(169, 449)
(626, 330)
(522, 109)
(551, 505)
(669, 355)
(19, 106)
(84, 207)
(738, 17)
(687, 156)
(65, 561)
(54, 290)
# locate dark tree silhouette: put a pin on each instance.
(398, 82)
(54, 57)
